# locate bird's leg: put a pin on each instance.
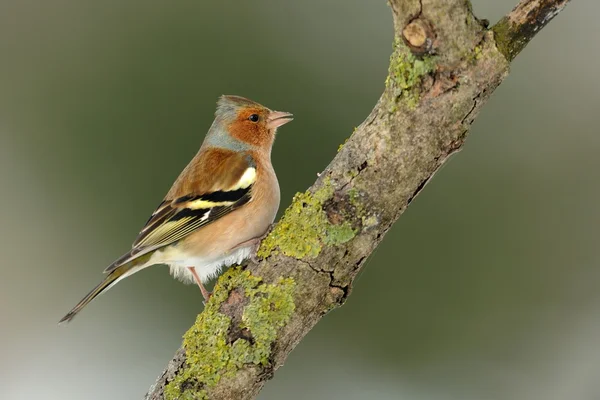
(205, 293)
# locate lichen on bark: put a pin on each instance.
(216, 346)
(304, 228)
(406, 72)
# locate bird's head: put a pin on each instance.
(244, 122)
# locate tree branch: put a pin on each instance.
(444, 67)
(515, 30)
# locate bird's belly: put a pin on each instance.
(206, 268)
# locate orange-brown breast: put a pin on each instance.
(248, 222)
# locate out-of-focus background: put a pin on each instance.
(487, 287)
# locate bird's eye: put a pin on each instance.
(253, 117)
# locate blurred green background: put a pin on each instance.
(487, 287)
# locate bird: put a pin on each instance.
(217, 210)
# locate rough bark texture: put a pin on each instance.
(445, 65)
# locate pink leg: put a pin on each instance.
(205, 293)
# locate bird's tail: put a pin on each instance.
(111, 279)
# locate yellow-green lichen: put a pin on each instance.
(406, 72)
(209, 355)
(304, 227)
(472, 56)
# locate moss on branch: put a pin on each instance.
(514, 31)
(509, 41)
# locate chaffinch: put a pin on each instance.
(219, 207)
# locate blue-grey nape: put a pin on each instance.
(218, 136)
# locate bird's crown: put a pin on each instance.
(229, 106)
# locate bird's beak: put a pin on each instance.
(277, 118)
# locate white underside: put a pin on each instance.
(207, 269)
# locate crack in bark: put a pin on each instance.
(359, 169)
(472, 108)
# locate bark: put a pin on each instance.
(445, 65)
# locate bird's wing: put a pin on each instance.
(196, 199)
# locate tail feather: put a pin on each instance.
(106, 284)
